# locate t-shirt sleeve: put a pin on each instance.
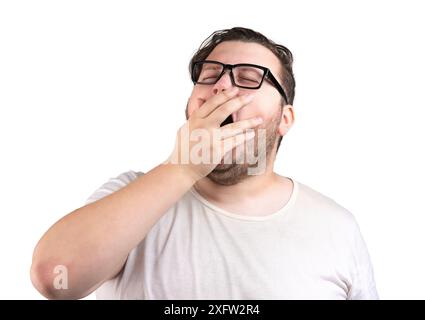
(112, 185)
(363, 285)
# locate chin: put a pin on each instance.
(228, 174)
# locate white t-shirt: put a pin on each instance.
(311, 248)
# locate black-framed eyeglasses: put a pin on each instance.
(242, 75)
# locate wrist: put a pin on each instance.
(184, 173)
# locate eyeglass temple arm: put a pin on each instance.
(277, 84)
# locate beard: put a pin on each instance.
(228, 174)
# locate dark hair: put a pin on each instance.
(247, 35)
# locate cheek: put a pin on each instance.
(259, 107)
(266, 107)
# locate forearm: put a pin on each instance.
(93, 241)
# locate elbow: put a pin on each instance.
(51, 281)
(47, 281)
(42, 280)
(50, 278)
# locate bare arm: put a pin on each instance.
(93, 242)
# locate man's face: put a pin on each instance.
(266, 104)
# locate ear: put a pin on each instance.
(287, 119)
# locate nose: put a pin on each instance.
(225, 82)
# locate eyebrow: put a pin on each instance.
(252, 69)
(212, 67)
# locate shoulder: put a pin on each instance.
(322, 209)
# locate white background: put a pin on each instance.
(90, 89)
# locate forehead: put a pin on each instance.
(233, 52)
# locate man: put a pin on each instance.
(209, 223)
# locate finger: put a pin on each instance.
(215, 101)
(232, 142)
(236, 128)
(226, 109)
